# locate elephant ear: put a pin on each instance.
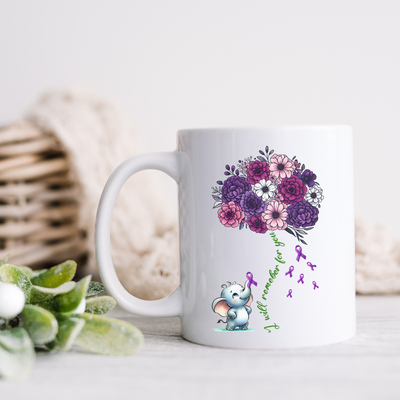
(221, 307)
(249, 301)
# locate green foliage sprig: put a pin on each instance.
(51, 318)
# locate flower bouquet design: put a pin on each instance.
(269, 192)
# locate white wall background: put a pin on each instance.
(171, 64)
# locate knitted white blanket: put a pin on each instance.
(144, 235)
(97, 139)
(377, 259)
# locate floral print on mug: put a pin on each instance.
(269, 192)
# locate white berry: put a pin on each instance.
(12, 300)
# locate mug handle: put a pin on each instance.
(171, 306)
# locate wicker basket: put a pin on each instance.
(38, 199)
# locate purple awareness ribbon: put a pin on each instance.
(249, 276)
(312, 266)
(301, 279)
(291, 269)
(289, 294)
(315, 285)
(299, 253)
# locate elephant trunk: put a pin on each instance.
(246, 291)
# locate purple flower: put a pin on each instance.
(252, 204)
(308, 178)
(234, 188)
(292, 189)
(257, 224)
(302, 214)
(256, 171)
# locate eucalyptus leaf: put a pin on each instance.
(95, 288)
(108, 336)
(11, 274)
(39, 294)
(17, 354)
(68, 302)
(53, 344)
(37, 272)
(57, 275)
(68, 331)
(5, 260)
(100, 305)
(40, 324)
(26, 270)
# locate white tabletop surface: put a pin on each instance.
(168, 367)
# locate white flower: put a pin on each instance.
(265, 189)
(314, 195)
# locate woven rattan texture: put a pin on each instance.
(38, 199)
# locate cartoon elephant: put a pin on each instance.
(234, 304)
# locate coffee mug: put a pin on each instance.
(266, 232)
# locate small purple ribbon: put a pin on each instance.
(249, 276)
(312, 266)
(299, 253)
(301, 279)
(291, 269)
(315, 285)
(289, 294)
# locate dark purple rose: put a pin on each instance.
(234, 188)
(256, 171)
(257, 224)
(308, 177)
(252, 204)
(302, 214)
(292, 189)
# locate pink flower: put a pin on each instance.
(292, 189)
(279, 197)
(257, 224)
(273, 179)
(245, 166)
(275, 215)
(281, 167)
(257, 170)
(230, 215)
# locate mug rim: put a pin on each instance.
(242, 129)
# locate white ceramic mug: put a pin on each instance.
(266, 236)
